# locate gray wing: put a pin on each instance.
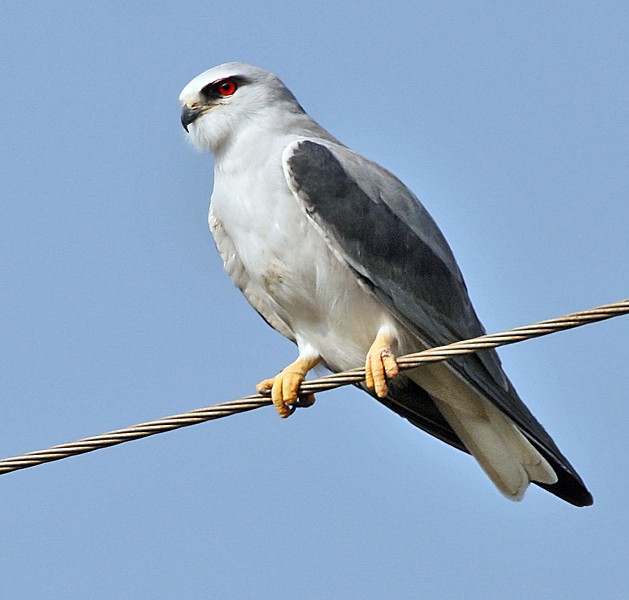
(388, 238)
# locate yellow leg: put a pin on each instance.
(380, 364)
(285, 385)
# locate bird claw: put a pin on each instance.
(284, 388)
(380, 366)
(304, 401)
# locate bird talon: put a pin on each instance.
(285, 386)
(305, 401)
(380, 365)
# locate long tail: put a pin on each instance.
(475, 420)
(508, 458)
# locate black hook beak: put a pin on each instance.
(189, 115)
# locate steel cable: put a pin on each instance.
(328, 382)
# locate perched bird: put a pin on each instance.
(340, 256)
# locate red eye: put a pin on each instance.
(227, 87)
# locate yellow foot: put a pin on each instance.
(380, 365)
(285, 386)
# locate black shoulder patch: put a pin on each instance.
(372, 235)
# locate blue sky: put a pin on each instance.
(509, 120)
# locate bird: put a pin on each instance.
(339, 256)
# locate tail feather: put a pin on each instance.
(536, 466)
(506, 456)
(415, 397)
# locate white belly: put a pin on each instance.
(287, 270)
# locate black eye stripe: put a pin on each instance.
(211, 90)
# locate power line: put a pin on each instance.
(217, 411)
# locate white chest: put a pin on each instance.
(270, 232)
(286, 269)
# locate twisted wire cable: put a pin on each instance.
(217, 411)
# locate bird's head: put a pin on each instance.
(219, 102)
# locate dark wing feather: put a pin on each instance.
(384, 233)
